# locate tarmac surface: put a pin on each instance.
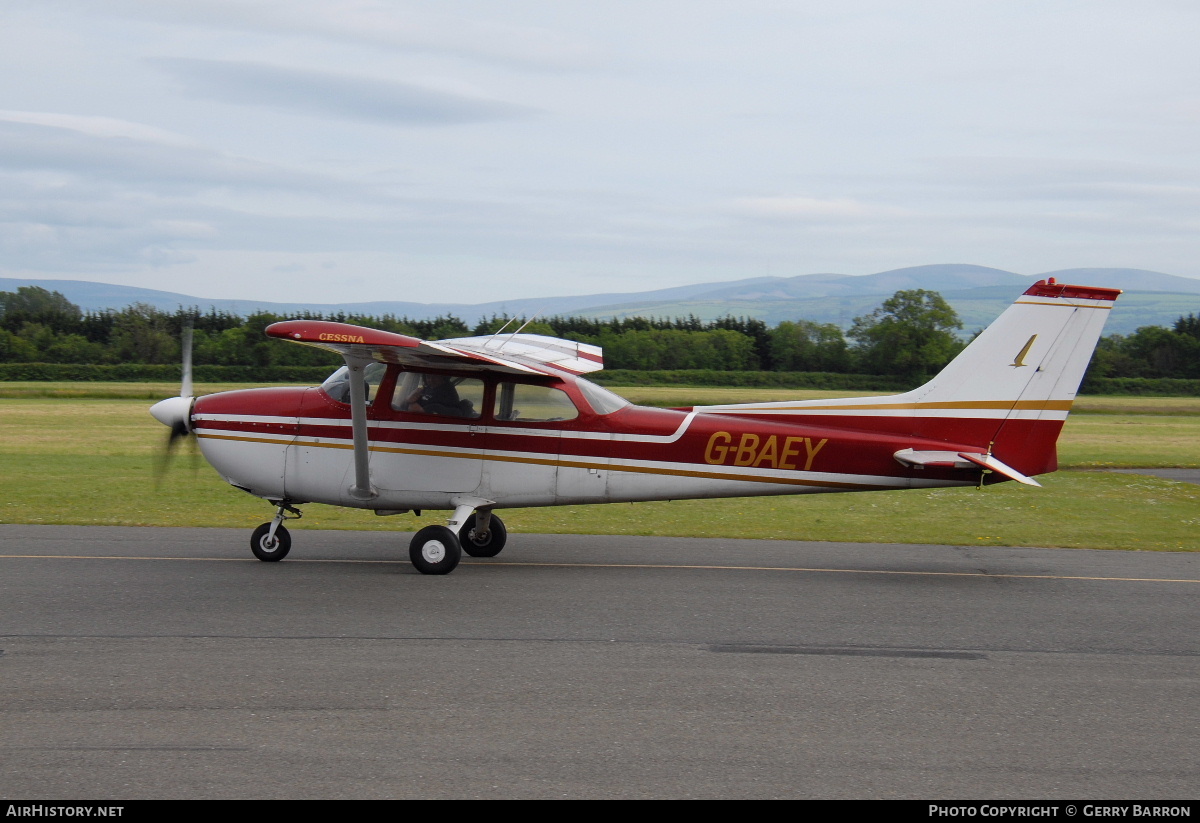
(168, 663)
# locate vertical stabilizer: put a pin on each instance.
(1022, 373)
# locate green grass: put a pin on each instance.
(91, 461)
(1130, 441)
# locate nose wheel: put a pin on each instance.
(271, 541)
(270, 548)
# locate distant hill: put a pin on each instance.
(978, 294)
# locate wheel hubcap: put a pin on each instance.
(433, 551)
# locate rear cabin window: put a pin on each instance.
(524, 403)
(445, 395)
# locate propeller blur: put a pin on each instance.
(175, 412)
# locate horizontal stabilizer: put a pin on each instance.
(932, 459)
(987, 461)
(960, 460)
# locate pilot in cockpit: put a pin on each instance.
(437, 395)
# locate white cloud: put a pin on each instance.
(95, 126)
(811, 208)
(326, 94)
(463, 30)
(129, 154)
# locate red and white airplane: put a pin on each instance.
(477, 424)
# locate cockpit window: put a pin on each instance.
(442, 394)
(337, 385)
(521, 402)
(600, 399)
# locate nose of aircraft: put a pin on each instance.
(174, 412)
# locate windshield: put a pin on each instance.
(337, 385)
(600, 399)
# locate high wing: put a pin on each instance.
(511, 353)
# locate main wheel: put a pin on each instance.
(490, 545)
(435, 550)
(270, 550)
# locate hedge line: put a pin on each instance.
(1148, 386)
(136, 372)
(142, 373)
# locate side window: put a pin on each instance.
(441, 394)
(521, 402)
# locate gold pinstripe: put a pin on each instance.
(1071, 305)
(1001, 405)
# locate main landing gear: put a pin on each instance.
(433, 550)
(437, 549)
(483, 535)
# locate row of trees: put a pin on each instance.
(911, 334)
(1151, 351)
(41, 326)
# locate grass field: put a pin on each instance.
(70, 459)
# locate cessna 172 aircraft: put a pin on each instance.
(477, 424)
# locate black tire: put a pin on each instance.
(435, 550)
(496, 537)
(270, 552)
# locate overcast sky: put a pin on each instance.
(336, 150)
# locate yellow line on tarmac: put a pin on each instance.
(840, 571)
(113, 557)
(688, 567)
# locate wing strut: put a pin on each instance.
(362, 489)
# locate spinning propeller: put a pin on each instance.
(176, 412)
